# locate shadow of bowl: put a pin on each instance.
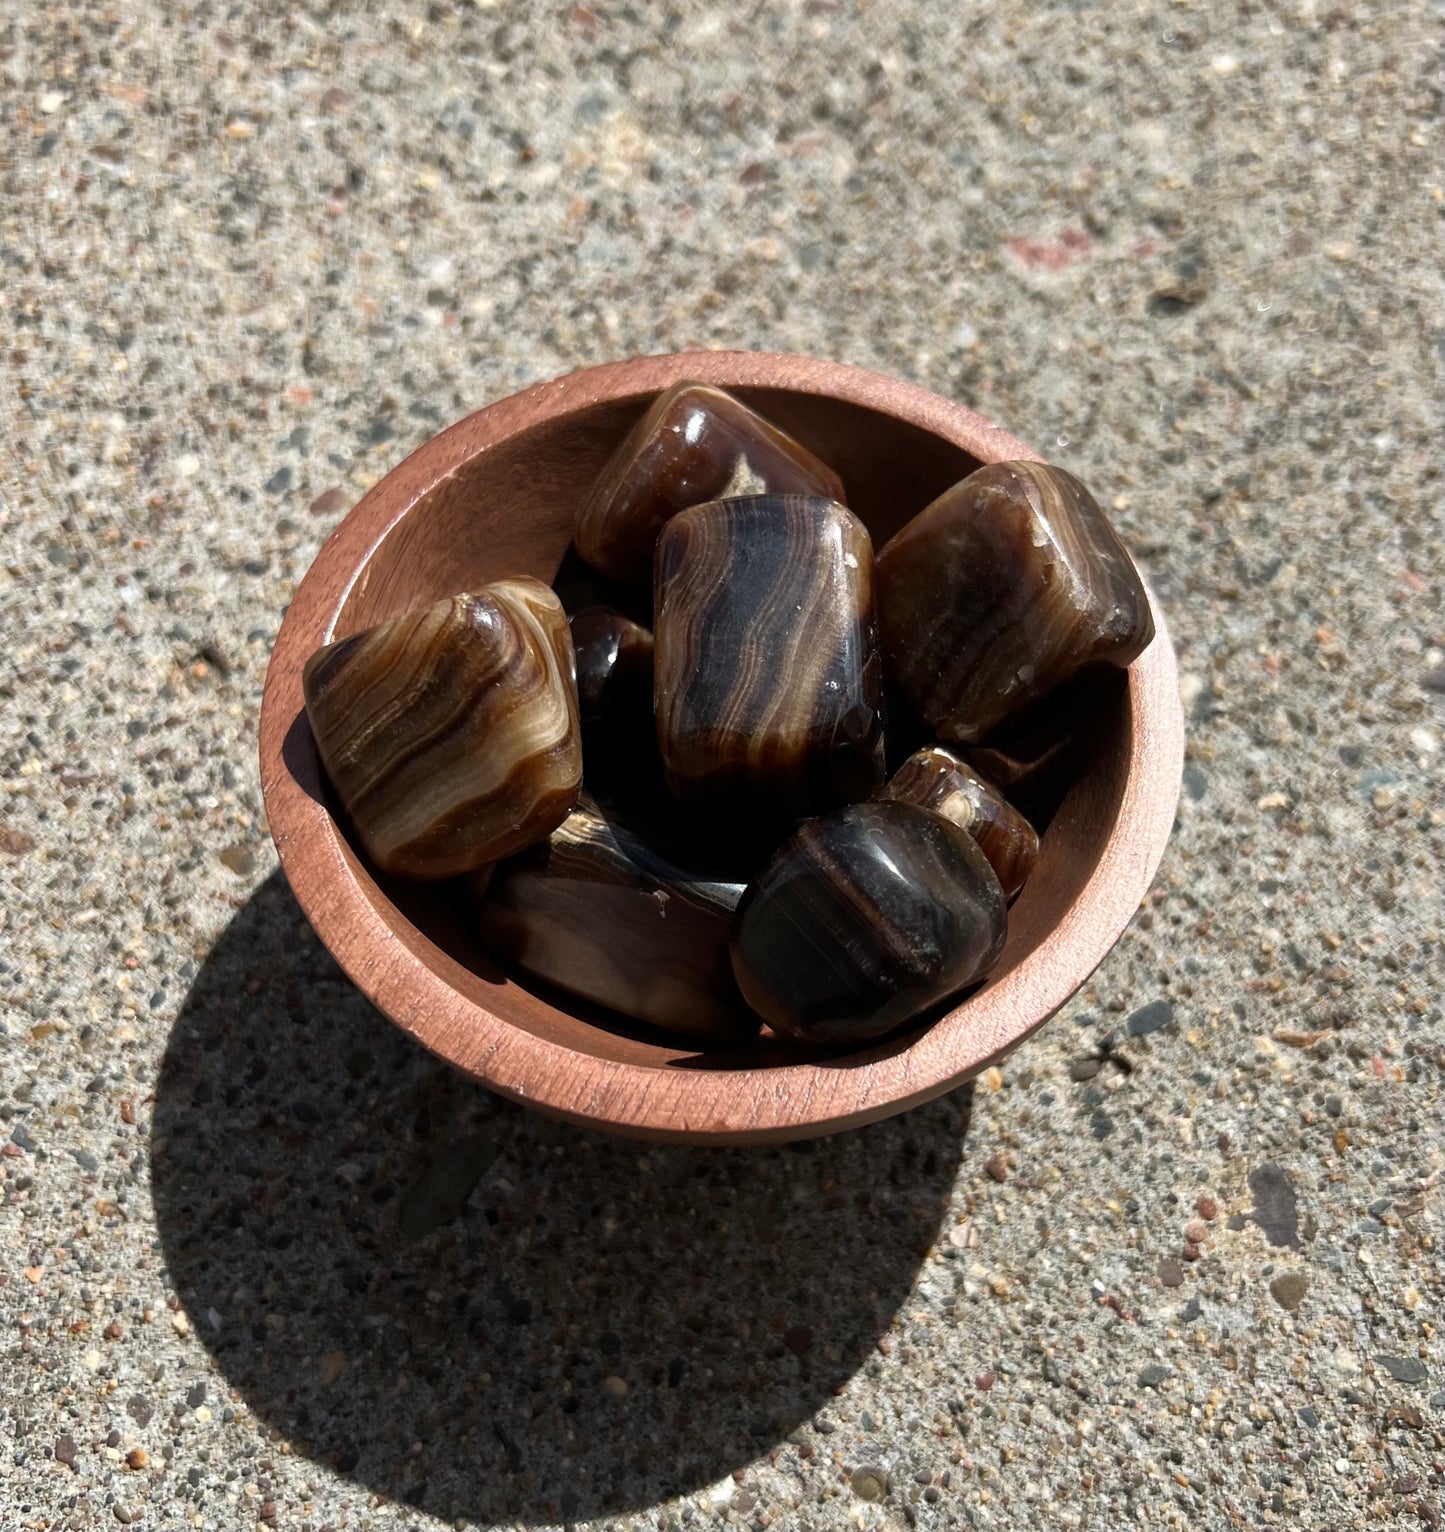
(485, 1313)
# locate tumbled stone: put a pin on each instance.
(614, 671)
(937, 780)
(864, 918)
(768, 685)
(1004, 588)
(619, 915)
(451, 734)
(693, 445)
(620, 760)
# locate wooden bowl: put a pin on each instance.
(495, 495)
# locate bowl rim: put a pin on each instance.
(404, 974)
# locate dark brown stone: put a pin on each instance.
(1006, 587)
(937, 780)
(768, 690)
(614, 672)
(622, 917)
(864, 918)
(451, 734)
(695, 444)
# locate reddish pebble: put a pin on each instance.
(1196, 1231)
(328, 502)
(1207, 1207)
(985, 1381)
(997, 1167)
(1190, 1252)
(136, 1458)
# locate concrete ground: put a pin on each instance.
(264, 1262)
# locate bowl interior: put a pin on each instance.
(508, 510)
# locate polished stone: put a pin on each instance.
(451, 734)
(614, 672)
(768, 683)
(625, 918)
(1004, 588)
(693, 445)
(938, 780)
(864, 918)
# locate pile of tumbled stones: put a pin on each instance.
(674, 802)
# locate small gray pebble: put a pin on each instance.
(1404, 1369)
(1150, 1018)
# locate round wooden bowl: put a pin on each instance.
(495, 495)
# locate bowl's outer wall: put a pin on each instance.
(495, 495)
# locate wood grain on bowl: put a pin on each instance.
(496, 495)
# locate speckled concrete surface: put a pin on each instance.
(1179, 1263)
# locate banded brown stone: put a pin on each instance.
(694, 444)
(1005, 587)
(937, 780)
(631, 920)
(768, 685)
(451, 734)
(864, 918)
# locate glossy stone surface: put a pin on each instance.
(693, 445)
(768, 683)
(1001, 590)
(938, 780)
(622, 919)
(614, 671)
(864, 918)
(451, 734)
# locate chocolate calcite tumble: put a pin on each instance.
(451, 734)
(864, 918)
(695, 444)
(614, 670)
(937, 780)
(1005, 587)
(622, 920)
(768, 684)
